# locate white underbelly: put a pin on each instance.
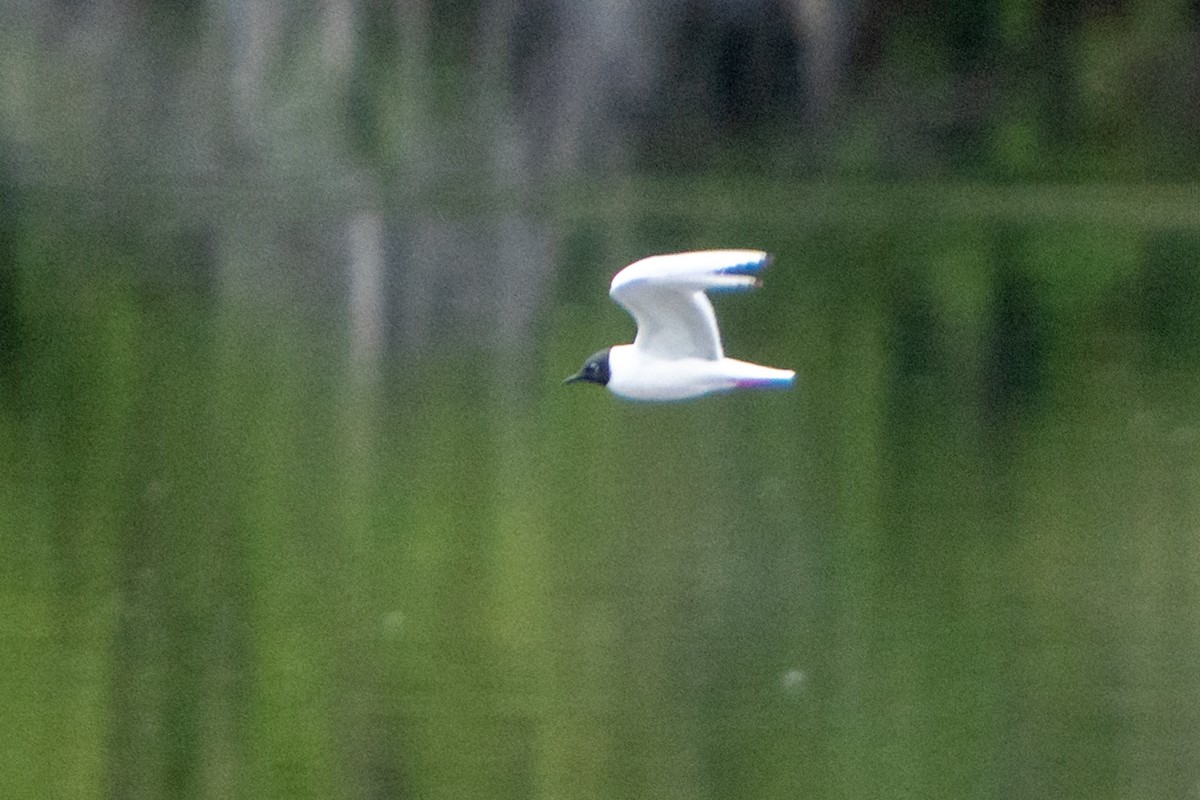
(654, 379)
(638, 377)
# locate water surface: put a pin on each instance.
(295, 504)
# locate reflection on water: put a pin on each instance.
(295, 505)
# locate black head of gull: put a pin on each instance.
(594, 370)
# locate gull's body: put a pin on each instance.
(677, 353)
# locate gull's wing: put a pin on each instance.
(665, 295)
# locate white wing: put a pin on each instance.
(665, 295)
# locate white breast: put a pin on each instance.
(637, 376)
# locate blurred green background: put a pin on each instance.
(293, 503)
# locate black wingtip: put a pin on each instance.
(750, 268)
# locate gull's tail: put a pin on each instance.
(755, 376)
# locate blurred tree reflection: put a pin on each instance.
(1008, 88)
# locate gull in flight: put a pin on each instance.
(677, 354)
